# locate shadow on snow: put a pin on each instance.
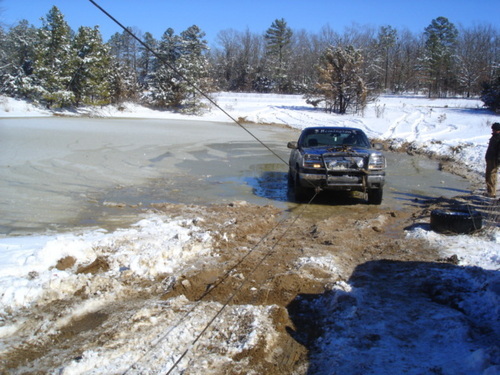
(396, 317)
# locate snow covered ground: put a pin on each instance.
(458, 128)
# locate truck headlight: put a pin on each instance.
(312, 161)
(376, 161)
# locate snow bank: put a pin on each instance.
(154, 246)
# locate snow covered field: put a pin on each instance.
(458, 128)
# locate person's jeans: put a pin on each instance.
(491, 177)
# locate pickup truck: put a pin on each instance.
(336, 159)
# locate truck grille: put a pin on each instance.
(343, 163)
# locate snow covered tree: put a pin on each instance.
(278, 40)
(17, 57)
(182, 66)
(194, 67)
(340, 85)
(91, 67)
(441, 37)
(52, 69)
(125, 50)
(165, 89)
(145, 63)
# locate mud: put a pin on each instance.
(259, 252)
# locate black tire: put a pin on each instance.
(290, 178)
(456, 221)
(300, 193)
(375, 196)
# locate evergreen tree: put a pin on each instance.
(194, 67)
(146, 60)
(91, 68)
(441, 36)
(118, 88)
(125, 50)
(165, 87)
(52, 68)
(182, 66)
(278, 39)
(491, 95)
(16, 58)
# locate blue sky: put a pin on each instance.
(155, 16)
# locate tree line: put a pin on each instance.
(58, 67)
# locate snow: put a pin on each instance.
(160, 245)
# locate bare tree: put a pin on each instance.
(305, 55)
(387, 37)
(237, 59)
(475, 56)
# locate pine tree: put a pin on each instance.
(278, 39)
(17, 58)
(441, 36)
(146, 60)
(125, 50)
(490, 94)
(91, 68)
(195, 68)
(52, 67)
(165, 88)
(182, 67)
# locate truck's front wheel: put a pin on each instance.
(299, 191)
(375, 196)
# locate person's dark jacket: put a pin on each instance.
(493, 151)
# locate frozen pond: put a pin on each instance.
(61, 173)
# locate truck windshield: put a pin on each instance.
(334, 137)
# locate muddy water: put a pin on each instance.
(58, 173)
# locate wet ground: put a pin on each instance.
(60, 173)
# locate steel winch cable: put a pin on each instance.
(200, 299)
(192, 84)
(278, 240)
(233, 295)
(230, 298)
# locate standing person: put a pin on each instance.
(493, 160)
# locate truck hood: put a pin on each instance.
(339, 150)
